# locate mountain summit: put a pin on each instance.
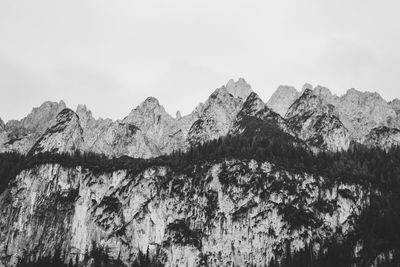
(316, 116)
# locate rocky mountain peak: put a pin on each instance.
(151, 106)
(150, 102)
(81, 108)
(149, 111)
(363, 111)
(316, 122)
(65, 115)
(41, 117)
(178, 115)
(358, 97)
(308, 101)
(240, 88)
(253, 104)
(85, 116)
(282, 98)
(64, 136)
(322, 91)
(216, 115)
(306, 86)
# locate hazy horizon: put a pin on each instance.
(112, 57)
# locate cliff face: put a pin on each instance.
(282, 99)
(21, 135)
(64, 136)
(383, 137)
(231, 212)
(207, 211)
(317, 123)
(217, 114)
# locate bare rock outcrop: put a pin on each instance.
(217, 114)
(64, 136)
(317, 123)
(282, 99)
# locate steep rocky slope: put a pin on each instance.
(360, 112)
(219, 111)
(232, 213)
(363, 111)
(256, 117)
(282, 99)
(250, 192)
(317, 123)
(383, 137)
(64, 136)
(21, 135)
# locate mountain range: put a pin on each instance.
(324, 121)
(306, 179)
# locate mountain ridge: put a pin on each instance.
(149, 130)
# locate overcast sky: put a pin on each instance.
(111, 55)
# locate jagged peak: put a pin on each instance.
(240, 88)
(148, 105)
(81, 108)
(151, 101)
(178, 115)
(307, 102)
(322, 91)
(50, 105)
(307, 93)
(282, 99)
(148, 109)
(65, 114)
(306, 86)
(252, 97)
(253, 103)
(355, 92)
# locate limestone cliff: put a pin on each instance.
(224, 213)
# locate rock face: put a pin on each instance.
(282, 99)
(209, 213)
(256, 117)
(240, 89)
(316, 122)
(65, 136)
(180, 219)
(147, 131)
(383, 137)
(21, 135)
(218, 112)
(395, 104)
(361, 112)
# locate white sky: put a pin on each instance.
(111, 55)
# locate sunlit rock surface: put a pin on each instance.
(218, 213)
(64, 136)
